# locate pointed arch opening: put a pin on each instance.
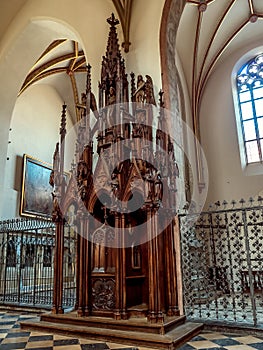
(247, 87)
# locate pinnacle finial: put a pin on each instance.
(88, 82)
(63, 119)
(112, 20)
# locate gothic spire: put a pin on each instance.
(113, 49)
(112, 57)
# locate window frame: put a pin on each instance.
(249, 168)
(252, 100)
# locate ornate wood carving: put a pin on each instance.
(103, 294)
(57, 181)
(120, 190)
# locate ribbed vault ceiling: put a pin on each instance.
(209, 32)
(63, 59)
(60, 65)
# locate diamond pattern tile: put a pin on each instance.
(12, 337)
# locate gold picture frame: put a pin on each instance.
(36, 194)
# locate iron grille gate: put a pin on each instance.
(27, 261)
(222, 263)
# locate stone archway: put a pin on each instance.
(171, 15)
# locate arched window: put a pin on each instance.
(249, 82)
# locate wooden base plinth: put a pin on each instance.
(170, 334)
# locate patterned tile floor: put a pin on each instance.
(12, 337)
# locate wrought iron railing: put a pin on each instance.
(222, 263)
(27, 261)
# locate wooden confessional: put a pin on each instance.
(123, 192)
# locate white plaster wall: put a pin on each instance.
(34, 131)
(144, 55)
(187, 142)
(219, 137)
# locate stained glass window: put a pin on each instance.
(250, 97)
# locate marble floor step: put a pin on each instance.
(171, 340)
(132, 324)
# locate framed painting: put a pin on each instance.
(36, 197)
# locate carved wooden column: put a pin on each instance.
(77, 267)
(55, 278)
(170, 271)
(155, 296)
(120, 311)
(58, 267)
(58, 183)
(117, 311)
(152, 315)
(152, 273)
(173, 253)
(158, 269)
(124, 315)
(87, 263)
(83, 270)
(81, 259)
